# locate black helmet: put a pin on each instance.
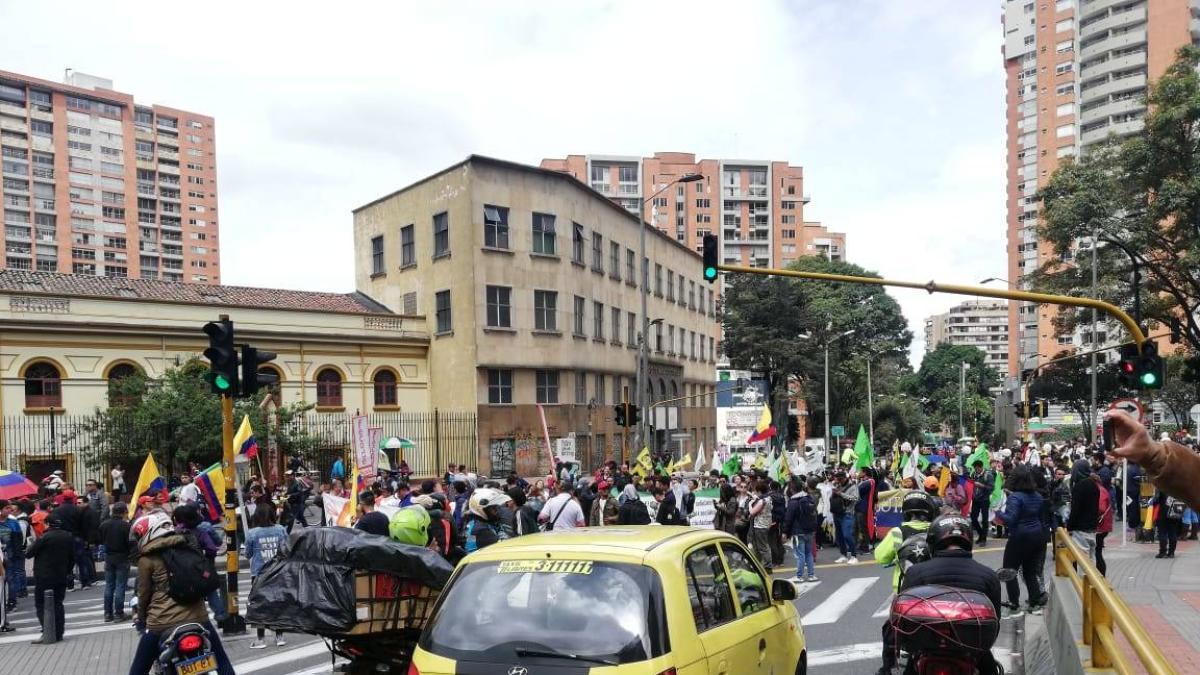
(918, 506)
(950, 530)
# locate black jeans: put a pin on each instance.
(862, 538)
(979, 521)
(1168, 535)
(1025, 551)
(1101, 566)
(39, 604)
(776, 544)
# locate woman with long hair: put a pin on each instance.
(725, 518)
(1028, 531)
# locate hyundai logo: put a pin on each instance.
(518, 670)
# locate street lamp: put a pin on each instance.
(642, 375)
(830, 452)
(962, 390)
(991, 279)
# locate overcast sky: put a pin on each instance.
(894, 109)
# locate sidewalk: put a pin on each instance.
(1165, 596)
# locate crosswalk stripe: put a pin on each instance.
(839, 601)
(885, 608)
(280, 658)
(801, 589)
(855, 652)
(72, 632)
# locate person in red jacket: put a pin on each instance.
(1104, 525)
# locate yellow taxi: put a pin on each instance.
(651, 600)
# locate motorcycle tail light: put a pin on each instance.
(949, 610)
(189, 643)
(944, 667)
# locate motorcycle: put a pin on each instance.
(945, 630)
(186, 651)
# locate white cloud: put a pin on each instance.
(895, 109)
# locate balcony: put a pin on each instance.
(10, 108)
(172, 155)
(167, 168)
(11, 124)
(44, 204)
(628, 189)
(1116, 20)
(20, 202)
(37, 112)
(168, 180)
(1102, 91)
(145, 189)
(146, 164)
(1133, 37)
(19, 233)
(602, 188)
(143, 133)
(1125, 105)
(1113, 65)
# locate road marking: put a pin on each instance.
(885, 608)
(288, 656)
(858, 652)
(71, 615)
(105, 628)
(839, 601)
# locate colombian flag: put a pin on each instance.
(245, 447)
(764, 430)
(212, 489)
(149, 482)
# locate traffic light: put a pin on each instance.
(1191, 370)
(1127, 366)
(619, 414)
(1039, 409)
(634, 416)
(252, 379)
(1019, 410)
(222, 357)
(1151, 370)
(710, 257)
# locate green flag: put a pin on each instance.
(731, 466)
(980, 456)
(863, 452)
(997, 491)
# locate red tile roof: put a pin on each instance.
(71, 285)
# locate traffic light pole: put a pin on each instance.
(234, 623)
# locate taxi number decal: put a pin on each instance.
(545, 566)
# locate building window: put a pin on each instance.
(377, 255)
(545, 310)
(670, 339)
(616, 325)
(580, 388)
(408, 248)
(547, 386)
(543, 234)
(495, 226)
(499, 307)
(614, 260)
(500, 386)
(43, 386)
(658, 282)
(703, 204)
(441, 235)
(597, 252)
(577, 243)
(632, 330)
(691, 295)
(630, 273)
(329, 388)
(579, 310)
(385, 388)
(598, 320)
(123, 391)
(445, 320)
(680, 298)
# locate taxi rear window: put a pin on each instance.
(601, 610)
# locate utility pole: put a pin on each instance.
(962, 391)
(870, 406)
(1092, 414)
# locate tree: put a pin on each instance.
(938, 385)
(764, 319)
(177, 417)
(1145, 193)
(1069, 383)
(1178, 395)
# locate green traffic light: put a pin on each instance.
(222, 382)
(710, 273)
(1149, 379)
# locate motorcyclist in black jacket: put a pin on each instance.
(951, 538)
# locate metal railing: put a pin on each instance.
(1102, 609)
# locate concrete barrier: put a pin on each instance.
(1064, 630)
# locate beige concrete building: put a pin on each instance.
(756, 207)
(530, 283)
(1077, 73)
(982, 324)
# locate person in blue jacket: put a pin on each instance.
(1025, 518)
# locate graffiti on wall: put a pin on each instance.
(502, 456)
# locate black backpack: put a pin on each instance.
(191, 576)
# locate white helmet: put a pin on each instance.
(485, 497)
(152, 526)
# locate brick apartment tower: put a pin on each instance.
(96, 184)
(756, 207)
(1076, 72)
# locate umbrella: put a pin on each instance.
(397, 443)
(14, 485)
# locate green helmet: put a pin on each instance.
(410, 525)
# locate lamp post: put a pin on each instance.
(962, 390)
(870, 405)
(829, 452)
(643, 376)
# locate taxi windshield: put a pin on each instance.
(573, 609)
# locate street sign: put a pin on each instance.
(1132, 406)
(838, 431)
(565, 449)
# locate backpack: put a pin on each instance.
(1175, 508)
(191, 575)
(914, 549)
(837, 504)
(808, 514)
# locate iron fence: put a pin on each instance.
(38, 445)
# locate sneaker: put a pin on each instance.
(1161, 555)
(812, 579)
(279, 641)
(1035, 610)
(108, 619)
(852, 561)
(798, 579)
(119, 618)
(841, 559)
(258, 644)
(1012, 612)
(1170, 555)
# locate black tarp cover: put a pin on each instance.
(311, 588)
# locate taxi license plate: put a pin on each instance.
(197, 666)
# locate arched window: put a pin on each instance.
(43, 385)
(329, 388)
(385, 388)
(662, 390)
(121, 390)
(674, 389)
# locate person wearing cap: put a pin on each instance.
(371, 521)
(604, 507)
(53, 558)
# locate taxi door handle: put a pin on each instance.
(762, 644)
(723, 667)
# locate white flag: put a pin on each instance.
(700, 459)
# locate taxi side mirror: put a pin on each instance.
(782, 589)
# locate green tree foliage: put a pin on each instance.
(178, 418)
(765, 317)
(1144, 192)
(937, 385)
(1178, 395)
(1069, 383)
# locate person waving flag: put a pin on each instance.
(245, 448)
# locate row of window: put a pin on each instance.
(593, 388)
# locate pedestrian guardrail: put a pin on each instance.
(1102, 610)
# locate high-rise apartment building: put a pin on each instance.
(982, 324)
(756, 207)
(1076, 73)
(94, 183)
